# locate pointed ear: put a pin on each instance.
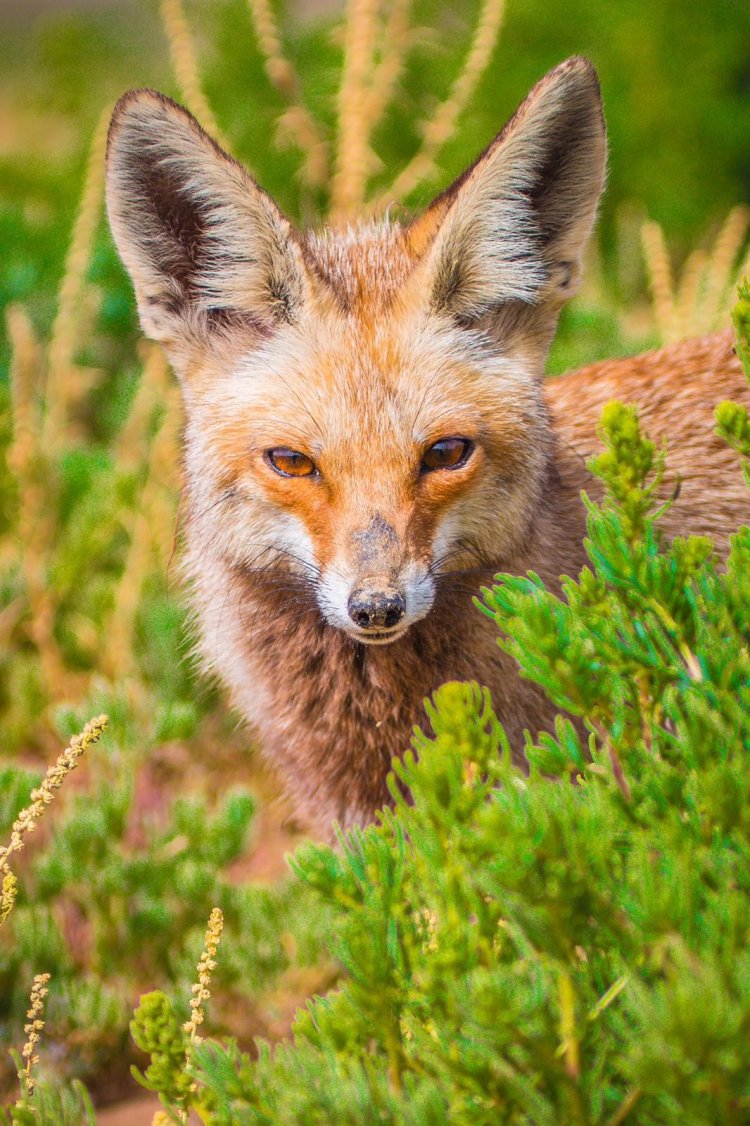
(513, 227)
(205, 246)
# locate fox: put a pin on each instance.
(369, 435)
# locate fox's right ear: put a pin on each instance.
(512, 229)
(205, 246)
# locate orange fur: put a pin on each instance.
(331, 604)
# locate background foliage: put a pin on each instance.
(678, 146)
(160, 825)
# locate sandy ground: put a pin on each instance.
(135, 1112)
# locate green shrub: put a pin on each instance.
(114, 901)
(52, 1105)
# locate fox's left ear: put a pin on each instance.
(205, 246)
(513, 227)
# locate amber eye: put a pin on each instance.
(290, 463)
(448, 453)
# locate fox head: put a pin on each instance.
(364, 407)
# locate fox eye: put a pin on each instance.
(448, 453)
(290, 463)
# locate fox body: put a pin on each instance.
(368, 434)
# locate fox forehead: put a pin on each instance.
(333, 390)
(367, 360)
(366, 267)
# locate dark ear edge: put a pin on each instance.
(142, 94)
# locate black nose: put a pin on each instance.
(376, 609)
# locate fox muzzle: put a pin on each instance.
(373, 608)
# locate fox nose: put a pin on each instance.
(373, 609)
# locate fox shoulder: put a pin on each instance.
(676, 390)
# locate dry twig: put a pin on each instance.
(27, 458)
(149, 529)
(354, 158)
(439, 130)
(63, 384)
(33, 1029)
(185, 65)
(27, 819)
(296, 125)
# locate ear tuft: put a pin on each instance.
(513, 227)
(205, 246)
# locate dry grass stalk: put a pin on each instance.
(26, 370)
(720, 272)
(296, 125)
(688, 295)
(699, 301)
(36, 528)
(659, 277)
(33, 1029)
(130, 448)
(743, 271)
(439, 130)
(150, 534)
(390, 65)
(8, 892)
(62, 385)
(27, 819)
(117, 659)
(569, 1040)
(354, 157)
(185, 65)
(206, 966)
(628, 1103)
(281, 73)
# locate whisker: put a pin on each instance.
(463, 547)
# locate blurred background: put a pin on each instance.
(675, 78)
(676, 81)
(335, 111)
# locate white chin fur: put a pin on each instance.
(384, 638)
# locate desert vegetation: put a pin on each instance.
(503, 948)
